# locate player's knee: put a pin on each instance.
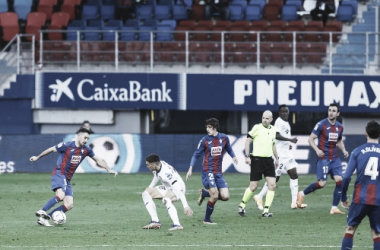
(293, 176)
(166, 201)
(321, 184)
(69, 206)
(225, 198)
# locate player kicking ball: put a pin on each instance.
(172, 189)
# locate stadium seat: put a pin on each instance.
(145, 12)
(312, 33)
(133, 23)
(150, 22)
(276, 29)
(345, 13)
(294, 26)
(171, 23)
(165, 34)
(59, 20)
(200, 33)
(71, 7)
(129, 33)
(22, 8)
(205, 23)
(145, 33)
(243, 4)
(297, 3)
(236, 12)
(10, 25)
(107, 12)
(200, 53)
(181, 12)
(253, 12)
(241, 53)
(280, 54)
(90, 12)
(198, 12)
(352, 3)
(75, 25)
(47, 7)
(335, 27)
(180, 34)
(260, 3)
(315, 53)
(271, 11)
(289, 13)
(34, 22)
(96, 26)
(237, 34)
(308, 5)
(216, 34)
(112, 25)
(257, 26)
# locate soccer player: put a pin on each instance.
(286, 159)
(329, 133)
(213, 146)
(71, 154)
(366, 199)
(262, 136)
(172, 189)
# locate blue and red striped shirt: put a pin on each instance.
(328, 137)
(366, 160)
(213, 148)
(70, 156)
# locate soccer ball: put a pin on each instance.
(107, 149)
(58, 217)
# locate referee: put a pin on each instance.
(263, 136)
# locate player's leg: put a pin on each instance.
(221, 184)
(254, 177)
(336, 172)
(58, 185)
(270, 177)
(322, 173)
(374, 222)
(172, 211)
(203, 193)
(148, 195)
(208, 180)
(348, 238)
(376, 239)
(68, 201)
(356, 213)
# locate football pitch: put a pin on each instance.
(109, 213)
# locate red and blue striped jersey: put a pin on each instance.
(213, 148)
(70, 156)
(365, 159)
(328, 137)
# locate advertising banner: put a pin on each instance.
(206, 91)
(125, 153)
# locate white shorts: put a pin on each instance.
(285, 164)
(163, 190)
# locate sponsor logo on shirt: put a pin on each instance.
(216, 151)
(333, 136)
(75, 159)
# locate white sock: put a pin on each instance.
(150, 206)
(171, 210)
(263, 191)
(293, 184)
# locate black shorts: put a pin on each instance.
(262, 166)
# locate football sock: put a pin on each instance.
(268, 200)
(347, 242)
(376, 244)
(293, 184)
(150, 206)
(205, 193)
(311, 188)
(263, 191)
(247, 195)
(171, 210)
(337, 193)
(209, 210)
(51, 203)
(60, 208)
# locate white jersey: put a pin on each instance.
(282, 147)
(168, 176)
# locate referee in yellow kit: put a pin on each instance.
(263, 136)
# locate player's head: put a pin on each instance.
(283, 110)
(267, 118)
(153, 161)
(333, 111)
(86, 124)
(373, 130)
(212, 126)
(83, 135)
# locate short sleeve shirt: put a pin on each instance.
(263, 140)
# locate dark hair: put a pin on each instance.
(335, 105)
(152, 158)
(282, 106)
(83, 130)
(213, 122)
(373, 129)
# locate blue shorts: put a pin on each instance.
(59, 181)
(357, 212)
(327, 167)
(211, 180)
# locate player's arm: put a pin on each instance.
(194, 158)
(275, 155)
(346, 180)
(154, 181)
(282, 138)
(247, 148)
(176, 188)
(45, 152)
(230, 151)
(312, 144)
(102, 164)
(341, 146)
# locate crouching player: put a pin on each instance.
(172, 189)
(366, 198)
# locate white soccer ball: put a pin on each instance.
(107, 149)
(58, 217)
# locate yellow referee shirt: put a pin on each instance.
(263, 140)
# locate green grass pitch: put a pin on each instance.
(109, 213)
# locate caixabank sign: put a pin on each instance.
(206, 91)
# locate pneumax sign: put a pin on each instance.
(96, 90)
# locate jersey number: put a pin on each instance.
(371, 168)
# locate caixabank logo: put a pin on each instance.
(121, 152)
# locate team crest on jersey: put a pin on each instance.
(75, 159)
(216, 151)
(170, 176)
(333, 136)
